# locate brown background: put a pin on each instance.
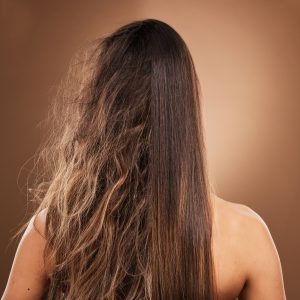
(247, 59)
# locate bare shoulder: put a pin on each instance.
(28, 276)
(248, 237)
(239, 218)
(39, 222)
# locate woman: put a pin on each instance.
(127, 211)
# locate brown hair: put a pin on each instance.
(126, 191)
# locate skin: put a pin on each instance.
(246, 261)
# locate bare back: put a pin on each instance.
(246, 261)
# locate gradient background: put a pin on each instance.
(247, 58)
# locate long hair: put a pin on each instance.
(127, 196)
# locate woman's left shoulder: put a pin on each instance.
(28, 276)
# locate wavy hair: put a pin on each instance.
(126, 191)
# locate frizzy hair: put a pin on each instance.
(126, 191)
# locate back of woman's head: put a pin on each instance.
(127, 195)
